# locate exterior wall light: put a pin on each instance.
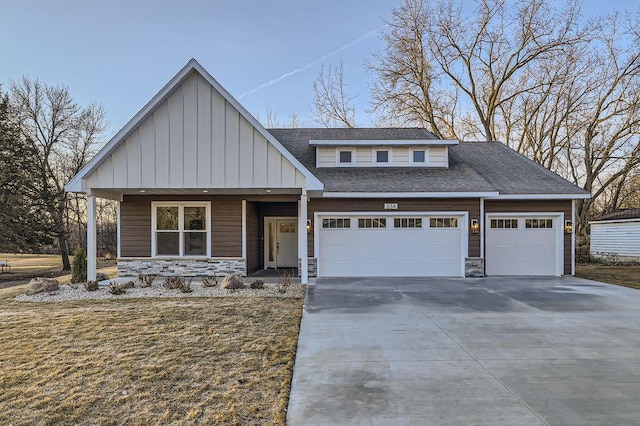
(309, 226)
(568, 227)
(475, 226)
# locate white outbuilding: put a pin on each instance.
(616, 235)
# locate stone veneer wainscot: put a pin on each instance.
(219, 266)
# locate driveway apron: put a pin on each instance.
(489, 351)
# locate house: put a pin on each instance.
(616, 235)
(204, 188)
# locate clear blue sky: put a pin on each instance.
(121, 52)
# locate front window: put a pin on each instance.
(181, 229)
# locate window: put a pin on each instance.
(504, 223)
(419, 156)
(337, 223)
(345, 157)
(538, 223)
(372, 222)
(443, 222)
(407, 222)
(382, 156)
(181, 229)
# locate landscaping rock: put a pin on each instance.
(127, 284)
(232, 282)
(101, 276)
(39, 285)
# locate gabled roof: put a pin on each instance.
(620, 214)
(488, 169)
(76, 183)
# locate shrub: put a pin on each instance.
(257, 284)
(146, 280)
(91, 285)
(115, 288)
(210, 281)
(79, 266)
(285, 282)
(178, 283)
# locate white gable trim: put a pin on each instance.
(77, 183)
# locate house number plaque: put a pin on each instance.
(391, 206)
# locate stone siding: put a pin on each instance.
(474, 267)
(312, 267)
(183, 267)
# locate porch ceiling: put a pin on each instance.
(117, 194)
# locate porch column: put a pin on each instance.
(302, 238)
(92, 246)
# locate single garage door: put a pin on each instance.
(523, 245)
(399, 245)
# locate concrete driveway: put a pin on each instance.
(490, 351)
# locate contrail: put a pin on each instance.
(309, 65)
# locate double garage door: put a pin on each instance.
(391, 245)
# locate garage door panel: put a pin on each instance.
(521, 250)
(390, 251)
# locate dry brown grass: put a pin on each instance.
(624, 275)
(146, 361)
(27, 266)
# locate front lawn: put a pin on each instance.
(624, 275)
(147, 361)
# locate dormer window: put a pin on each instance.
(345, 157)
(382, 156)
(418, 156)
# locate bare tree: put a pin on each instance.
(443, 62)
(64, 135)
(332, 105)
(409, 89)
(293, 121)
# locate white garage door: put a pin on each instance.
(402, 245)
(523, 245)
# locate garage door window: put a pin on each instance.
(443, 222)
(407, 222)
(504, 223)
(538, 223)
(336, 223)
(372, 222)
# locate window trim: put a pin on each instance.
(426, 156)
(181, 205)
(374, 156)
(353, 157)
(330, 228)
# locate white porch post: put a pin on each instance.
(92, 245)
(302, 238)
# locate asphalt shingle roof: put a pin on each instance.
(620, 214)
(473, 166)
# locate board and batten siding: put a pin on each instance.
(616, 238)
(195, 139)
(226, 224)
(471, 205)
(437, 156)
(537, 206)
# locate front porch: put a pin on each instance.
(236, 234)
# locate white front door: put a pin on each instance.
(281, 243)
